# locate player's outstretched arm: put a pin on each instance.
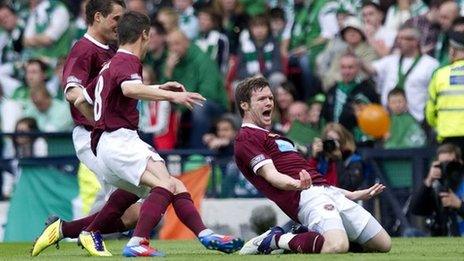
(160, 93)
(364, 194)
(284, 182)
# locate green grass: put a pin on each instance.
(403, 249)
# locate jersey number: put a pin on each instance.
(97, 108)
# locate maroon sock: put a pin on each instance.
(309, 242)
(72, 229)
(187, 213)
(108, 219)
(152, 210)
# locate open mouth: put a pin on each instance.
(267, 113)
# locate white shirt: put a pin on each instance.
(416, 83)
(59, 21)
(386, 35)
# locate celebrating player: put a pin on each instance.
(270, 162)
(130, 163)
(82, 66)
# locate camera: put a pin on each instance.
(329, 145)
(451, 175)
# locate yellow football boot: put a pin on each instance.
(50, 235)
(93, 243)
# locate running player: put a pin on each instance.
(82, 66)
(130, 163)
(272, 164)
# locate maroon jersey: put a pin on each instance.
(255, 147)
(83, 64)
(113, 110)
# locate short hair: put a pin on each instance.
(396, 91)
(159, 28)
(450, 148)
(105, 7)
(131, 26)
(261, 19)
(416, 31)
(349, 54)
(458, 21)
(373, 4)
(7, 6)
(229, 119)
(289, 87)
(215, 17)
(277, 13)
(246, 87)
(43, 66)
(30, 122)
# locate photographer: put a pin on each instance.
(440, 196)
(335, 157)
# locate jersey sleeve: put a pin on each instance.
(131, 72)
(250, 151)
(76, 72)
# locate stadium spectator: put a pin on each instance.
(405, 131)
(47, 31)
(444, 110)
(187, 64)
(378, 36)
(35, 78)
(278, 23)
(409, 70)
(222, 138)
(285, 95)
(447, 13)
(52, 115)
(211, 40)
(334, 156)
(306, 121)
(54, 83)
(11, 46)
(188, 22)
(428, 25)
(259, 52)
(157, 51)
(29, 146)
(137, 5)
(169, 18)
(233, 21)
(315, 23)
(401, 11)
(158, 118)
(440, 197)
(78, 26)
(341, 97)
(354, 42)
(333, 47)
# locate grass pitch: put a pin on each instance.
(403, 249)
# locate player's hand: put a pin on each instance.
(365, 194)
(434, 174)
(305, 180)
(188, 99)
(172, 86)
(449, 199)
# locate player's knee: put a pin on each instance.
(385, 245)
(335, 246)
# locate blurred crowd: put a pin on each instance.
(326, 61)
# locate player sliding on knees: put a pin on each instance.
(130, 164)
(272, 164)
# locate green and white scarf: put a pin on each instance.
(250, 54)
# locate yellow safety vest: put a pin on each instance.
(445, 107)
